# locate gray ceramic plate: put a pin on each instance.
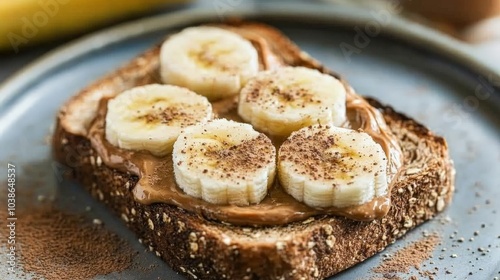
(429, 77)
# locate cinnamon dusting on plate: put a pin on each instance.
(52, 244)
(411, 256)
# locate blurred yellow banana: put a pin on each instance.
(26, 22)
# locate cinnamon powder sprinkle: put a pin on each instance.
(249, 155)
(57, 245)
(412, 256)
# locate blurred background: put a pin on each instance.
(30, 28)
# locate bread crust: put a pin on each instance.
(312, 249)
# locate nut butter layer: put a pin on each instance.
(157, 183)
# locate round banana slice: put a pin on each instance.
(284, 100)
(211, 61)
(224, 162)
(326, 166)
(151, 117)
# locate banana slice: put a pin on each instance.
(284, 100)
(151, 117)
(211, 61)
(224, 162)
(326, 166)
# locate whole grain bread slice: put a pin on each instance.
(201, 249)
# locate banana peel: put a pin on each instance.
(28, 22)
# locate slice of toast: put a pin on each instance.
(201, 249)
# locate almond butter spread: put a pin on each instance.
(156, 182)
